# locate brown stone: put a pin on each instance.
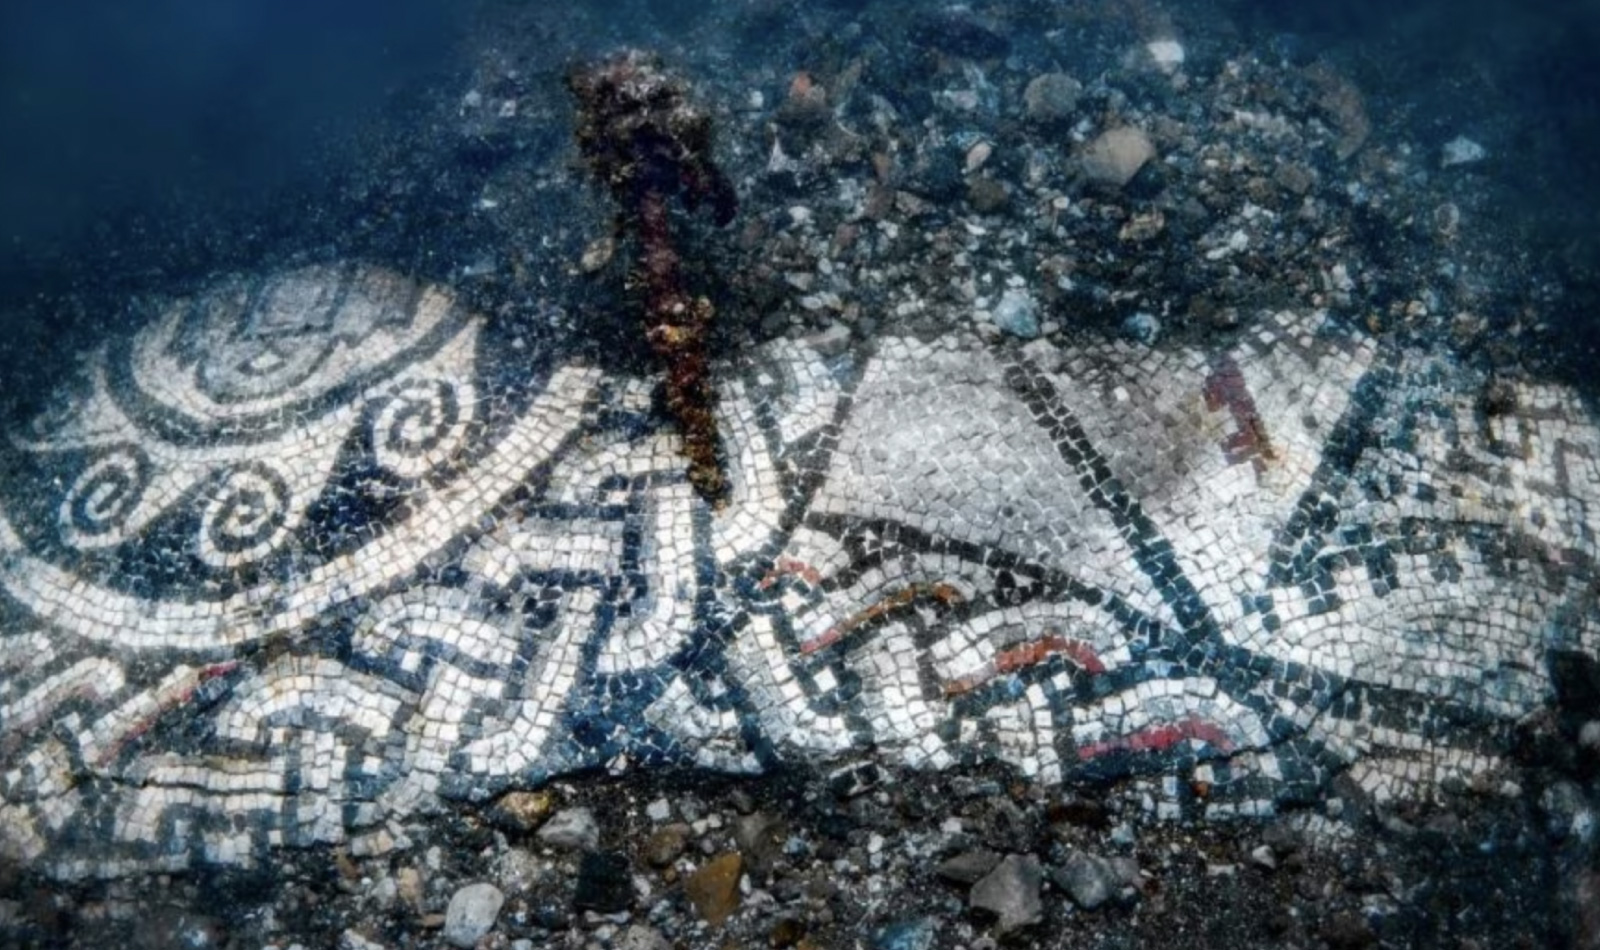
(666, 845)
(522, 811)
(714, 888)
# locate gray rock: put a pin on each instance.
(571, 828)
(1017, 313)
(1089, 879)
(969, 867)
(1051, 97)
(1115, 156)
(1011, 892)
(472, 913)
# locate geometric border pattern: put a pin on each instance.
(291, 568)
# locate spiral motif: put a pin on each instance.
(418, 428)
(245, 517)
(98, 506)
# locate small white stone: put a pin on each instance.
(977, 155)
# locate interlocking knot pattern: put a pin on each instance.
(304, 559)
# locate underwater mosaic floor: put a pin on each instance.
(305, 558)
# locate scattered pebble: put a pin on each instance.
(1011, 892)
(521, 810)
(1051, 97)
(666, 844)
(571, 828)
(713, 889)
(1017, 313)
(597, 254)
(969, 867)
(977, 155)
(472, 912)
(1088, 879)
(1113, 158)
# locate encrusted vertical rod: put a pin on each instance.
(647, 143)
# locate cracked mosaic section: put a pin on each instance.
(292, 566)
